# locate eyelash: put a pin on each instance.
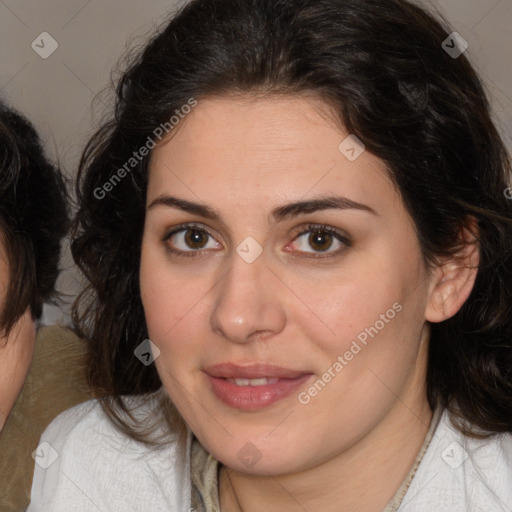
(308, 228)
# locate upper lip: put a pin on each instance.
(252, 371)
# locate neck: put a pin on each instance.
(364, 477)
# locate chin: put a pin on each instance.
(257, 454)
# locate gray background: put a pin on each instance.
(66, 94)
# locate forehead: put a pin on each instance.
(256, 151)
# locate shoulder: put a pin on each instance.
(82, 423)
(460, 473)
(83, 462)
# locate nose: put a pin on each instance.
(247, 304)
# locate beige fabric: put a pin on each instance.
(205, 469)
(204, 475)
(56, 381)
(395, 502)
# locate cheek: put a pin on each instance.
(368, 361)
(348, 304)
(170, 308)
(172, 300)
(175, 320)
(371, 323)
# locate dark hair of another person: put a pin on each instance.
(381, 65)
(33, 218)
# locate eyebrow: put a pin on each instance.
(278, 214)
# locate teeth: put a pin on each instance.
(253, 382)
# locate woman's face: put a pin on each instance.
(288, 326)
(16, 349)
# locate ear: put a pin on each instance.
(453, 278)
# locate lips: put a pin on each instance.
(253, 371)
(253, 387)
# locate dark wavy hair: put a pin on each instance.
(34, 218)
(381, 64)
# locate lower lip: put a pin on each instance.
(254, 398)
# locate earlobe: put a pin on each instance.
(453, 280)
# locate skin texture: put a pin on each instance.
(356, 439)
(16, 349)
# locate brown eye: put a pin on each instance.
(189, 240)
(320, 240)
(195, 238)
(317, 239)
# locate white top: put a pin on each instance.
(90, 466)
(462, 474)
(83, 463)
